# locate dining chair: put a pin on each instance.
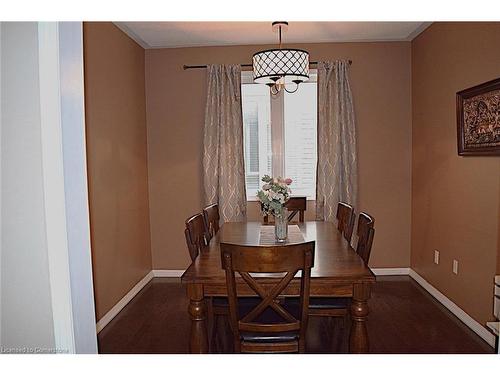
(196, 241)
(295, 205)
(212, 218)
(195, 233)
(365, 233)
(340, 306)
(268, 326)
(345, 219)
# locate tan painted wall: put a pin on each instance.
(455, 200)
(498, 242)
(115, 113)
(381, 75)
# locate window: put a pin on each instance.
(280, 135)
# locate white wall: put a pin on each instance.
(26, 297)
(46, 289)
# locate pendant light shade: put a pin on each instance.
(280, 67)
(290, 64)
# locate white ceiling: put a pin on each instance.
(196, 34)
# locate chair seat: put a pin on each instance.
(329, 303)
(269, 337)
(269, 316)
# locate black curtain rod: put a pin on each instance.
(242, 65)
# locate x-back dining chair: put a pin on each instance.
(268, 326)
(339, 306)
(365, 233)
(195, 233)
(217, 306)
(345, 216)
(212, 218)
(295, 205)
(197, 240)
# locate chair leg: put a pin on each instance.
(332, 328)
(347, 330)
(211, 322)
(336, 326)
(302, 346)
(213, 339)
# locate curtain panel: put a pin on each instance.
(337, 172)
(223, 163)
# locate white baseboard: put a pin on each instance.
(457, 311)
(390, 271)
(167, 273)
(123, 302)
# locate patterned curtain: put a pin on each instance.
(337, 178)
(223, 165)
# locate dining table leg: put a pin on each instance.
(358, 340)
(198, 342)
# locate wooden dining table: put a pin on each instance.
(338, 272)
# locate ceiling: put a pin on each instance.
(197, 34)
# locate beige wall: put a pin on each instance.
(381, 75)
(498, 242)
(115, 113)
(455, 200)
(451, 203)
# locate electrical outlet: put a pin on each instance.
(436, 256)
(455, 266)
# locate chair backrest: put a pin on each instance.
(345, 217)
(365, 233)
(211, 216)
(287, 259)
(295, 205)
(195, 233)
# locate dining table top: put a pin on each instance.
(334, 258)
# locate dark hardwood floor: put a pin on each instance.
(403, 318)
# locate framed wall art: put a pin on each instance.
(478, 119)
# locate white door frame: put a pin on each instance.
(65, 185)
(0, 184)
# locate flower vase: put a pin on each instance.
(281, 227)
